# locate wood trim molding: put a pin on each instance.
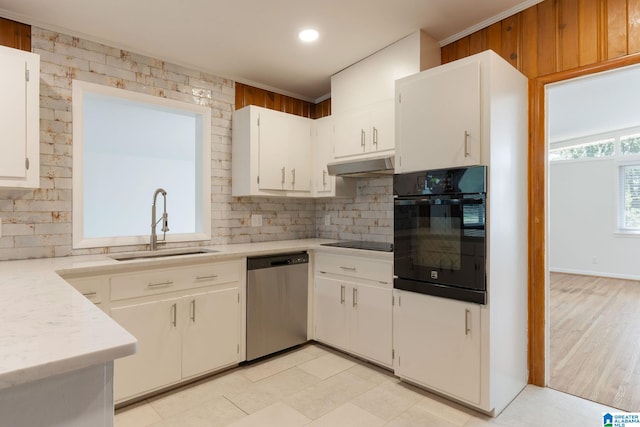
(537, 208)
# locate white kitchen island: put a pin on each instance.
(56, 349)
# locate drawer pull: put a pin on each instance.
(213, 276)
(90, 294)
(348, 268)
(160, 284)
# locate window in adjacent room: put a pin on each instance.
(125, 146)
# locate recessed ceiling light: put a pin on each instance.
(308, 35)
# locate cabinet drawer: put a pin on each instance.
(94, 288)
(214, 274)
(361, 268)
(145, 283)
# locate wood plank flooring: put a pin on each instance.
(595, 339)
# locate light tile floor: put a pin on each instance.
(316, 386)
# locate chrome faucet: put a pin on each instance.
(153, 244)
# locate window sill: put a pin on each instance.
(627, 233)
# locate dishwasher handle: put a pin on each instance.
(280, 262)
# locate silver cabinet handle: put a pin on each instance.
(362, 137)
(375, 136)
(355, 297)
(193, 311)
(282, 170)
(174, 315)
(466, 144)
(467, 322)
(213, 276)
(341, 294)
(348, 268)
(293, 176)
(90, 294)
(324, 178)
(160, 284)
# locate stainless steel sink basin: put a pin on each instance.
(129, 256)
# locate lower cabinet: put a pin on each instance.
(179, 338)
(210, 332)
(437, 343)
(157, 360)
(350, 313)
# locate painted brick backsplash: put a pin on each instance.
(368, 216)
(37, 223)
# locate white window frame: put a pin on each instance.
(629, 160)
(203, 189)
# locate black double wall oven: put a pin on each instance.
(439, 233)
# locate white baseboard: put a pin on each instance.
(595, 273)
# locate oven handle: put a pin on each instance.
(421, 200)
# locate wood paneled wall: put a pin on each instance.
(558, 35)
(550, 42)
(250, 95)
(15, 35)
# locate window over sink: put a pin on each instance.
(126, 145)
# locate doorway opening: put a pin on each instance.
(593, 236)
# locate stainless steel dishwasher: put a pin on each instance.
(276, 303)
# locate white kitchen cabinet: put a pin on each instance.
(325, 185)
(362, 95)
(445, 131)
(210, 336)
(353, 305)
(271, 153)
(187, 321)
(452, 115)
(367, 130)
(19, 118)
(437, 344)
(94, 288)
(157, 362)
(330, 311)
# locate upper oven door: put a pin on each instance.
(441, 240)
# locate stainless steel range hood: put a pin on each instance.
(368, 167)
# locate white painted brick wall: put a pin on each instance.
(368, 216)
(37, 223)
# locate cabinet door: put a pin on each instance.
(273, 137)
(382, 126)
(298, 154)
(156, 363)
(322, 145)
(13, 119)
(371, 320)
(438, 344)
(439, 120)
(210, 331)
(330, 314)
(351, 133)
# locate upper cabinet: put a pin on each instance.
(325, 185)
(271, 153)
(449, 116)
(362, 95)
(19, 118)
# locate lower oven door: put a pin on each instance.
(440, 246)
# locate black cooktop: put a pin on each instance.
(356, 244)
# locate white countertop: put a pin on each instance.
(49, 328)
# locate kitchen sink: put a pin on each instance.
(129, 256)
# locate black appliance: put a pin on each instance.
(439, 232)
